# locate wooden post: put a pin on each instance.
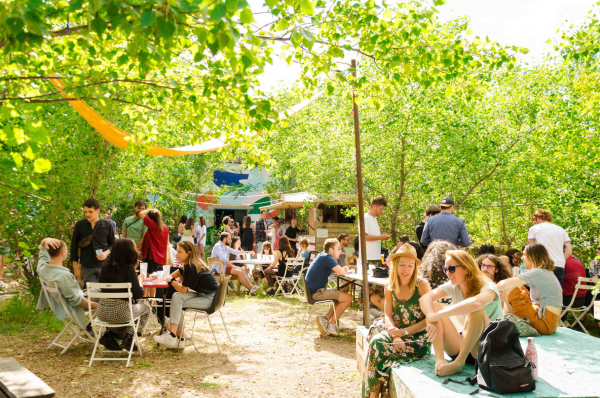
(361, 209)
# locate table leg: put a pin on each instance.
(164, 300)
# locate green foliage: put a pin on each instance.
(18, 313)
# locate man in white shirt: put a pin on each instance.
(554, 238)
(373, 234)
(222, 250)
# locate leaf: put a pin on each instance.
(23, 245)
(148, 17)
(18, 159)
(41, 165)
(469, 31)
(271, 3)
(307, 34)
(387, 14)
(308, 7)
(296, 38)
(15, 25)
(75, 5)
(439, 2)
(246, 16)
(218, 12)
(99, 25)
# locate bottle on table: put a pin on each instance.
(532, 357)
(523, 267)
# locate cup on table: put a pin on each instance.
(166, 271)
(98, 252)
(159, 276)
(516, 271)
(144, 269)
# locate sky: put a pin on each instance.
(524, 23)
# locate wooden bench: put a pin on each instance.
(16, 381)
(568, 367)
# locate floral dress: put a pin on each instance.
(382, 357)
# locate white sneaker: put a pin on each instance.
(322, 324)
(332, 329)
(360, 315)
(375, 312)
(168, 341)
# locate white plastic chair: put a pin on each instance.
(94, 291)
(579, 312)
(289, 277)
(51, 289)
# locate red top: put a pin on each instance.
(154, 246)
(573, 270)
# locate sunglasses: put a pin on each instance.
(450, 269)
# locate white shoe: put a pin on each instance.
(322, 324)
(168, 341)
(332, 329)
(375, 312)
(360, 315)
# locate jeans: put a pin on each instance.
(560, 275)
(199, 301)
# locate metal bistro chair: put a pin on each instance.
(51, 289)
(289, 277)
(94, 291)
(217, 304)
(310, 303)
(580, 312)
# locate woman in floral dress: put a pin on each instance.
(404, 340)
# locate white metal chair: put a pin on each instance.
(217, 304)
(579, 312)
(289, 277)
(51, 289)
(94, 291)
(310, 303)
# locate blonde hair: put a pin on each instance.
(395, 278)
(539, 257)
(304, 242)
(475, 279)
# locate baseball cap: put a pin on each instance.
(432, 209)
(447, 202)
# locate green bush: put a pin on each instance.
(18, 314)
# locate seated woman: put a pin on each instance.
(542, 306)
(257, 272)
(120, 268)
(280, 261)
(475, 300)
(304, 253)
(404, 341)
(196, 289)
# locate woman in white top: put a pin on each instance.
(201, 236)
(475, 301)
(188, 231)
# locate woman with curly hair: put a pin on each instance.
(433, 261)
(404, 340)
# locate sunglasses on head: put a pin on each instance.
(450, 269)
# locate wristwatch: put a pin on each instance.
(405, 332)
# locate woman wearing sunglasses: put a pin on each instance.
(475, 300)
(542, 305)
(404, 340)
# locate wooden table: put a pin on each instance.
(155, 284)
(16, 381)
(357, 280)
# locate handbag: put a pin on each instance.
(381, 272)
(85, 242)
(176, 238)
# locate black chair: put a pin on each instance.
(217, 304)
(311, 302)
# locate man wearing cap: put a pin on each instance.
(430, 211)
(446, 226)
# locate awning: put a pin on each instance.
(299, 199)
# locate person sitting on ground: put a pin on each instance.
(280, 261)
(433, 262)
(404, 339)
(222, 250)
(492, 267)
(541, 304)
(120, 268)
(196, 290)
(317, 278)
(53, 253)
(487, 249)
(475, 301)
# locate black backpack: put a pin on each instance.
(501, 365)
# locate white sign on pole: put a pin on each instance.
(322, 233)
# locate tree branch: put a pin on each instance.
(25, 193)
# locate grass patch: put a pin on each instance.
(18, 313)
(208, 385)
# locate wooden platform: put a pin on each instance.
(569, 366)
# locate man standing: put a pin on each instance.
(317, 278)
(446, 226)
(373, 234)
(91, 244)
(260, 231)
(110, 220)
(430, 211)
(133, 226)
(344, 240)
(283, 227)
(554, 238)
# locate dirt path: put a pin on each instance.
(266, 357)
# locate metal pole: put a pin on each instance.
(361, 208)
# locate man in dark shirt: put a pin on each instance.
(91, 244)
(430, 211)
(260, 231)
(317, 278)
(292, 233)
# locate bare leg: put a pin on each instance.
(344, 302)
(448, 339)
(375, 394)
(378, 301)
(474, 325)
(242, 276)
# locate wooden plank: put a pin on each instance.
(18, 382)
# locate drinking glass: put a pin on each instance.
(166, 271)
(98, 252)
(144, 269)
(159, 276)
